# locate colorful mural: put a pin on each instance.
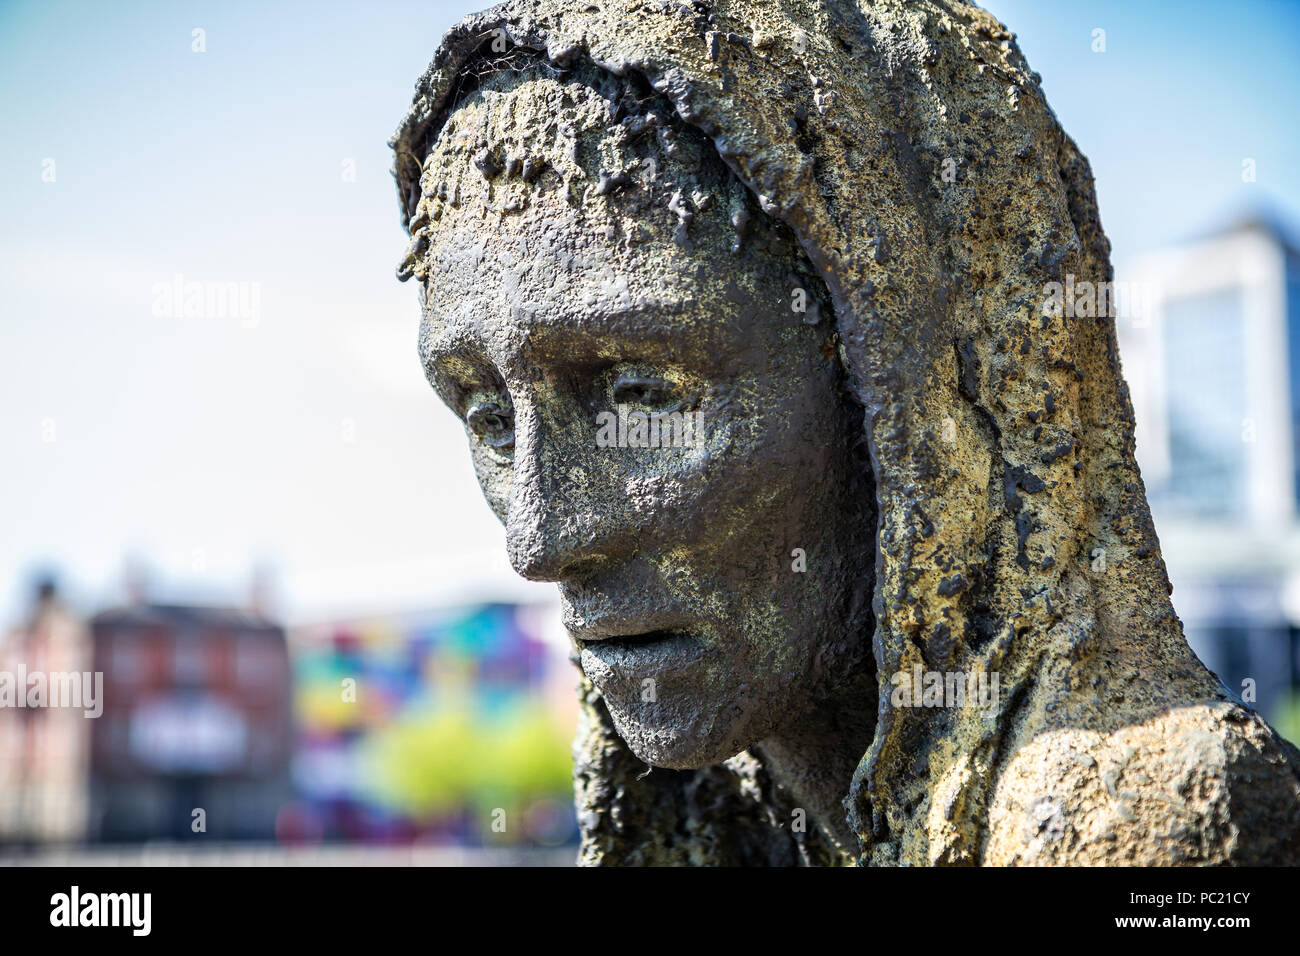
(451, 726)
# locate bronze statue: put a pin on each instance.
(744, 307)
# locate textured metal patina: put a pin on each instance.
(897, 162)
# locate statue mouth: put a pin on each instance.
(620, 637)
(622, 625)
(630, 640)
(648, 649)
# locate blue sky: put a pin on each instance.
(308, 439)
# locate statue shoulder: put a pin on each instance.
(1204, 783)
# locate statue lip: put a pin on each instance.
(649, 649)
(641, 630)
(645, 637)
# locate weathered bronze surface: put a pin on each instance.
(827, 232)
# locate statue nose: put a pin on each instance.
(561, 521)
(548, 547)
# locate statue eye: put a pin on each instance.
(493, 424)
(644, 390)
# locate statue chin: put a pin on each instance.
(676, 741)
(666, 720)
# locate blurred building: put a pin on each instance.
(197, 717)
(1213, 364)
(449, 727)
(44, 750)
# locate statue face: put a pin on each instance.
(715, 590)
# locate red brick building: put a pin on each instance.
(197, 716)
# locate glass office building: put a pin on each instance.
(1213, 365)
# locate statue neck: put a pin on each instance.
(814, 759)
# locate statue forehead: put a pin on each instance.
(531, 284)
(526, 135)
(536, 208)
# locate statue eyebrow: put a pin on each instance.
(638, 325)
(635, 321)
(631, 324)
(643, 308)
(449, 345)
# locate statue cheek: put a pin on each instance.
(495, 480)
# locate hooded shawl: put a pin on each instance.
(910, 149)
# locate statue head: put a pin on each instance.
(655, 405)
(813, 244)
